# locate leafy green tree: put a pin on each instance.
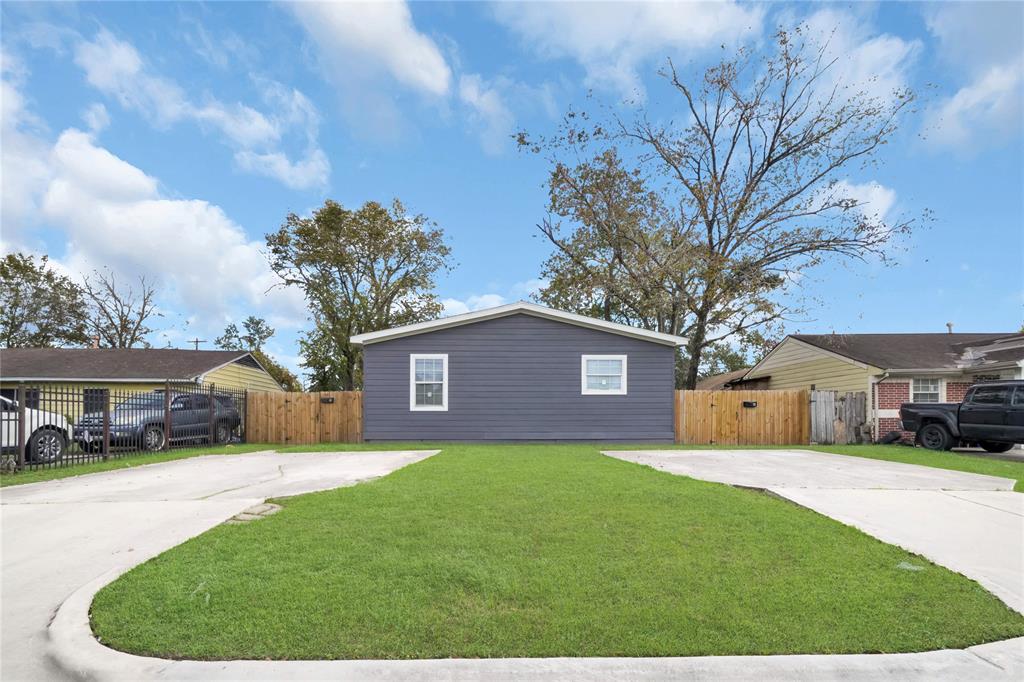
(702, 227)
(39, 308)
(360, 270)
(257, 333)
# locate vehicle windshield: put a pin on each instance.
(145, 401)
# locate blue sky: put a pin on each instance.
(169, 138)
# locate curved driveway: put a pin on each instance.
(60, 535)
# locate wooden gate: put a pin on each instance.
(304, 418)
(742, 417)
(839, 418)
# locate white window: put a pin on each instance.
(604, 375)
(428, 382)
(926, 391)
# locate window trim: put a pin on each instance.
(941, 390)
(584, 390)
(413, 407)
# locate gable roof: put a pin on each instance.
(519, 307)
(900, 351)
(717, 382)
(112, 364)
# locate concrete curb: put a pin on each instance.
(74, 649)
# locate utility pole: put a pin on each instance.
(197, 341)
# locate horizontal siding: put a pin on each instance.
(518, 378)
(240, 377)
(795, 365)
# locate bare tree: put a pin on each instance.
(739, 200)
(118, 314)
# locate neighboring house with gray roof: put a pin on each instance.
(130, 368)
(892, 368)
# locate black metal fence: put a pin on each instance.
(53, 425)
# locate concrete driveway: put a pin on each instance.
(970, 523)
(60, 535)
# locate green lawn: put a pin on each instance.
(49, 474)
(539, 550)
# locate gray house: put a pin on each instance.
(518, 372)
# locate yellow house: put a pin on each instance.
(891, 369)
(71, 381)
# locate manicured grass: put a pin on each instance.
(49, 474)
(539, 550)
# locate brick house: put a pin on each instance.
(892, 368)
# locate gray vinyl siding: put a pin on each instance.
(518, 378)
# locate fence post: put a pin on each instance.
(21, 426)
(106, 423)
(244, 436)
(167, 415)
(210, 424)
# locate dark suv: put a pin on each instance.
(991, 415)
(139, 421)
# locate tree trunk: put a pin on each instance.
(695, 347)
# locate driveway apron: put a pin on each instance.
(59, 535)
(970, 523)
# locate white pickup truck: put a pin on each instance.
(46, 433)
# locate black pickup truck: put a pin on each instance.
(991, 415)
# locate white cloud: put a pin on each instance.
(989, 107)
(373, 38)
(454, 306)
(110, 213)
(311, 171)
(875, 201)
(96, 117)
(865, 61)
(517, 292)
(489, 112)
(612, 39)
(115, 68)
(113, 214)
(984, 41)
(23, 168)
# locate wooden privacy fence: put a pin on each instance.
(742, 417)
(304, 418)
(839, 418)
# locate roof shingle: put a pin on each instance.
(114, 364)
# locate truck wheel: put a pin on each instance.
(153, 438)
(934, 437)
(46, 445)
(991, 446)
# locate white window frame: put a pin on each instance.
(596, 391)
(443, 407)
(941, 388)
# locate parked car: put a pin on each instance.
(46, 433)
(991, 416)
(139, 421)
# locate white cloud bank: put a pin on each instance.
(611, 40)
(110, 213)
(985, 42)
(519, 291)
(115, 68)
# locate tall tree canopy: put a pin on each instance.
(256, 333)
(38, 306)
(360, 270)
(696, 226)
